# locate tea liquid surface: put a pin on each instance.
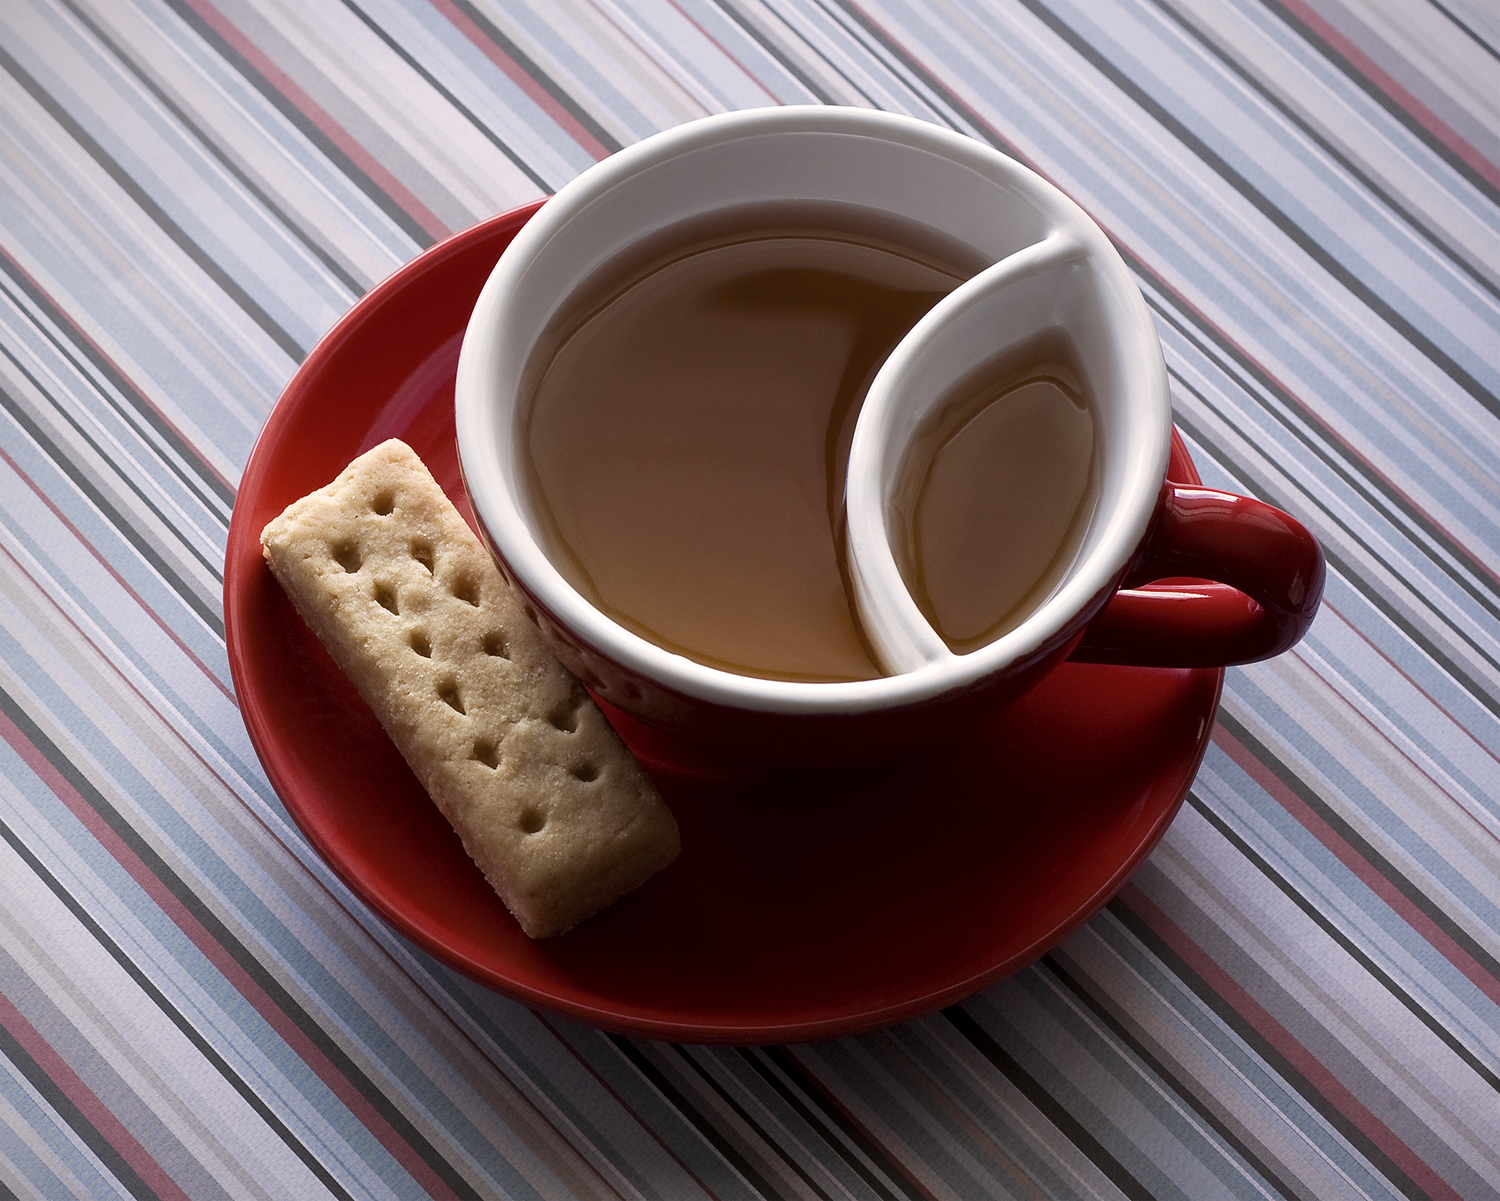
(689, 439)
(996, 495)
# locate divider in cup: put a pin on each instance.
(1070, 284)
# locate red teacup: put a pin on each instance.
(1054, 272)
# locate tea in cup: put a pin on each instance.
(688, 435)
(808, 432)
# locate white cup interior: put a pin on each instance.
(860, 161)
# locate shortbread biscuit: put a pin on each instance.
(548, 802)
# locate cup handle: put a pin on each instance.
(1269, 572)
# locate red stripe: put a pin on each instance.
(1370, 875)
(722, 49)
(63, 317)
(1286, 1044)
(539, 95)
(88, 1103)
(115, 575)
(1432, 700)
(814, 1083)
(325, 123)
(625, 1106)
(1413, 107)
(292, 1034)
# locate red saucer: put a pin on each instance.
(802, 906)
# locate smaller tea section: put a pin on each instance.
(996, 492)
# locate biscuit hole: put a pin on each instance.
(448, 694)
(487, 752)
(422, 552)
(347, 556)
(384, 504)
(565, 716)
(466, 590)
(385, 597)
(494, 644)
(586, 772)
(532, 820)
(419, 642)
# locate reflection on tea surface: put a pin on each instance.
(689, 438)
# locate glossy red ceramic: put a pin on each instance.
(1241, 541)
(803, 905)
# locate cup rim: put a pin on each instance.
(484, 428)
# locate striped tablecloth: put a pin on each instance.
(1298, 994)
